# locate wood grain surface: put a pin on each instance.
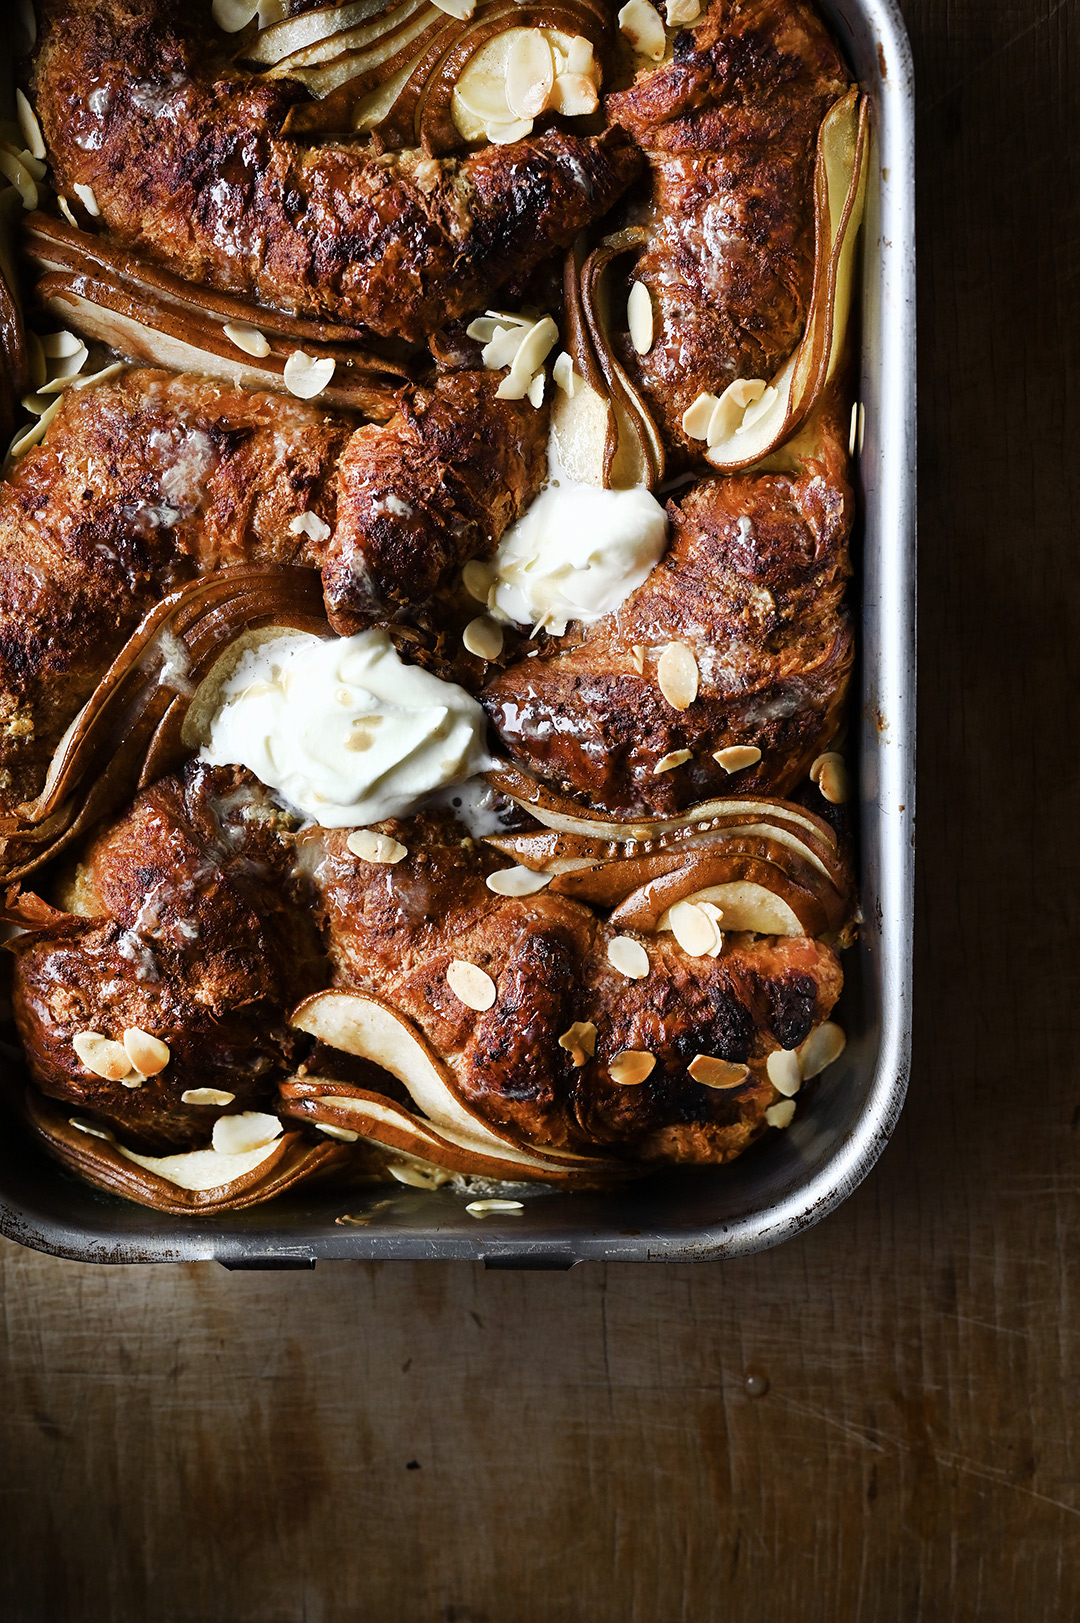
(433, 1444)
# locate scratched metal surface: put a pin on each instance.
(435, 1444)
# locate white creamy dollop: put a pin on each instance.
(576, 554)
(343, 729)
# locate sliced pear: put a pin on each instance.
(285, 38)
(351, 39)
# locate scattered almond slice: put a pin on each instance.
(628, 957)
(695, 930)
(307, 375)
(530, 73)
(573, 95)
(65, 209)
(729, 415)
(535, 391)
(580, 57)
(28, 124)
(477, 580)
(711, 1072)
(471, 985)
(639, 318)
(86, 197)
(783, 1069)
(206, 1096)
(830, 775)
(780, 1115)
(579, 1040)
(372, 847)
(250, 1130)
(642, 26)
(14, 170)
(565, 377)
(417, 1175)
(148, 1054)
(681, 12)
(637, 656)
(531, 354)
(503, 135)
(31, 436)
(461, 9)
(630, 1068)
(757, 409)
(92, 1130)
(101, 1055)
(824, 1044)
(233, 15)
(249, 339)
(490, 1208)
(131, 1082)
(309, 524)
(697, 417)
(677, 675)
(516, 881)
(113, 370)
(483, 638)
(668, 763)
(737, 757)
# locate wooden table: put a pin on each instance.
(434, 1443)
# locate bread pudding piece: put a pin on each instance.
(729, 127)
(187, 923)
(183, 156)
(753, 586)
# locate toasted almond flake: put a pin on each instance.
(711, 1072)
(13, 169)
(86, 197)
(530, 73)
(148, 1054)
(372, 847)
(573, 95)
(516, 881)
(36, 404)
(824, 1044)
(757, 409)
(631, 1067)
(681, 12)
(639, 318)
(677, 675)
(579, 1040)
(346, 1134)
(565, 377)
(736, 757)
(784, 1073)
(249, 339)
(113, 370)
(65, 371)
(477, 580)
(307, 375)
(309, 524)
(417, 1176)
(780, 1115)
(101, 1055)
(502, 135)
(535, 391)
(637, 657)
(488, 1208)
(531, 354)
(461, 9)
(233, 15)
(471, 985)
(38, 169)
(65, 210)
(830, 775)
(94, 1132)
(668, 763)
(642, 26)
(250, 1130)
(58, 346)
(696, 418)
(579, 56)
(731, 408)
(206, 1096)
(483, 638)
(28, 124)
(628, 957)
(694, 930)
(35, 433)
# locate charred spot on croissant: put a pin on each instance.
(792, 1005)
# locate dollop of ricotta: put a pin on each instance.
(343, 728)
(576, 554)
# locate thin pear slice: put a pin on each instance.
(293, 34)
(839, 192)
(351, 39)
(746, 887)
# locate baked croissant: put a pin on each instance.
(183, 156)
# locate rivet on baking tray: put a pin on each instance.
(756, 1384)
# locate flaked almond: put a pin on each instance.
(149, 1055)
(677, 675)
(101, 1055)
(249, 339)
(780, 1115)
(28, 124)
(503, 135)
(573, 95)
(531, 354)
(729, 413)
(60, 346)
(91, 1129)
(717, 1073)
(86, 197)
(565, 377)
(307, 375)
(697, 417)
(206, 1096)
(483, 638)
(65, 209)
(824, 1044)
(345, 1134)
(695, 930)
(737, 757)
(471, 985)
(668, 763)
(535, 391)
(13, 169)
(637, 656)
(628, 957)
(783, 1070)
(477, 580)
(309, 524)
(530, 73)
(516, 881)
(372, 847)
(133, 1081)
(415, 1176)
(33, 435)
(489, 1208)
(461, 9)
(250, 1130)
(580, 57)
(639, 318)
(579, 1040)
(641, 24)
(233, 15)
(830, 775)
(757, 409)
(681, 12)
(631, 1067)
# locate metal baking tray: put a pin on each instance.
(789, 1180)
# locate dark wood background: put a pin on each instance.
(392, 1442)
